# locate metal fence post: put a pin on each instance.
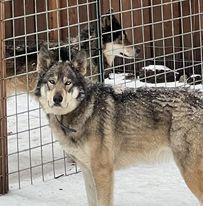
(3, 122)
(99, 40)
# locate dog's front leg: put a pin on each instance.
(103, 178)
(90, 186)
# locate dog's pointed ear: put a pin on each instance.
(106, 20)
(44, 60)
(79, 62)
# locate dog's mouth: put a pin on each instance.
(58, 109)
(130, 54)
(57, 105)
(125, 56)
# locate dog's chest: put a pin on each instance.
(68, 142)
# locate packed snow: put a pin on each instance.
(156, 67)
(152, 185)
(142, 185)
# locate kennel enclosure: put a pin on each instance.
(168, 32)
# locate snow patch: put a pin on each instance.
(156, 67)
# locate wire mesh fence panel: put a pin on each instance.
(127, 42)
(169, 34)
(34, 154)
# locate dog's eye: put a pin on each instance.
(68, 83)
(52, 81)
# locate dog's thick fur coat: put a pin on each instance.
(103, 130)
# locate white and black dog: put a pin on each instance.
(114, 43)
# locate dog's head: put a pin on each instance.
(61, 85)
(115, 40)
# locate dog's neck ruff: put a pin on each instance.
(65, 128)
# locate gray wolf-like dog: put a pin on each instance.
(103, 130)
(114, 40)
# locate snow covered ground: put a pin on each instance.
(143, 185)
(157, 185)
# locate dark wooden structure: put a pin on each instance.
(3, 121)
(161, 29)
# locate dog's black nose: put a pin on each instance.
(137, 49)
(57, 99)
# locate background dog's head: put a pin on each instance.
(61, 85)
(115, 40)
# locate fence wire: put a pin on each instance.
(166, 35)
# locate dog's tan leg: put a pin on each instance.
(194, 180)
(103, 178)
(98, 184)
(192, 172)
(187, 146)
(190, 162)
(90, 186)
